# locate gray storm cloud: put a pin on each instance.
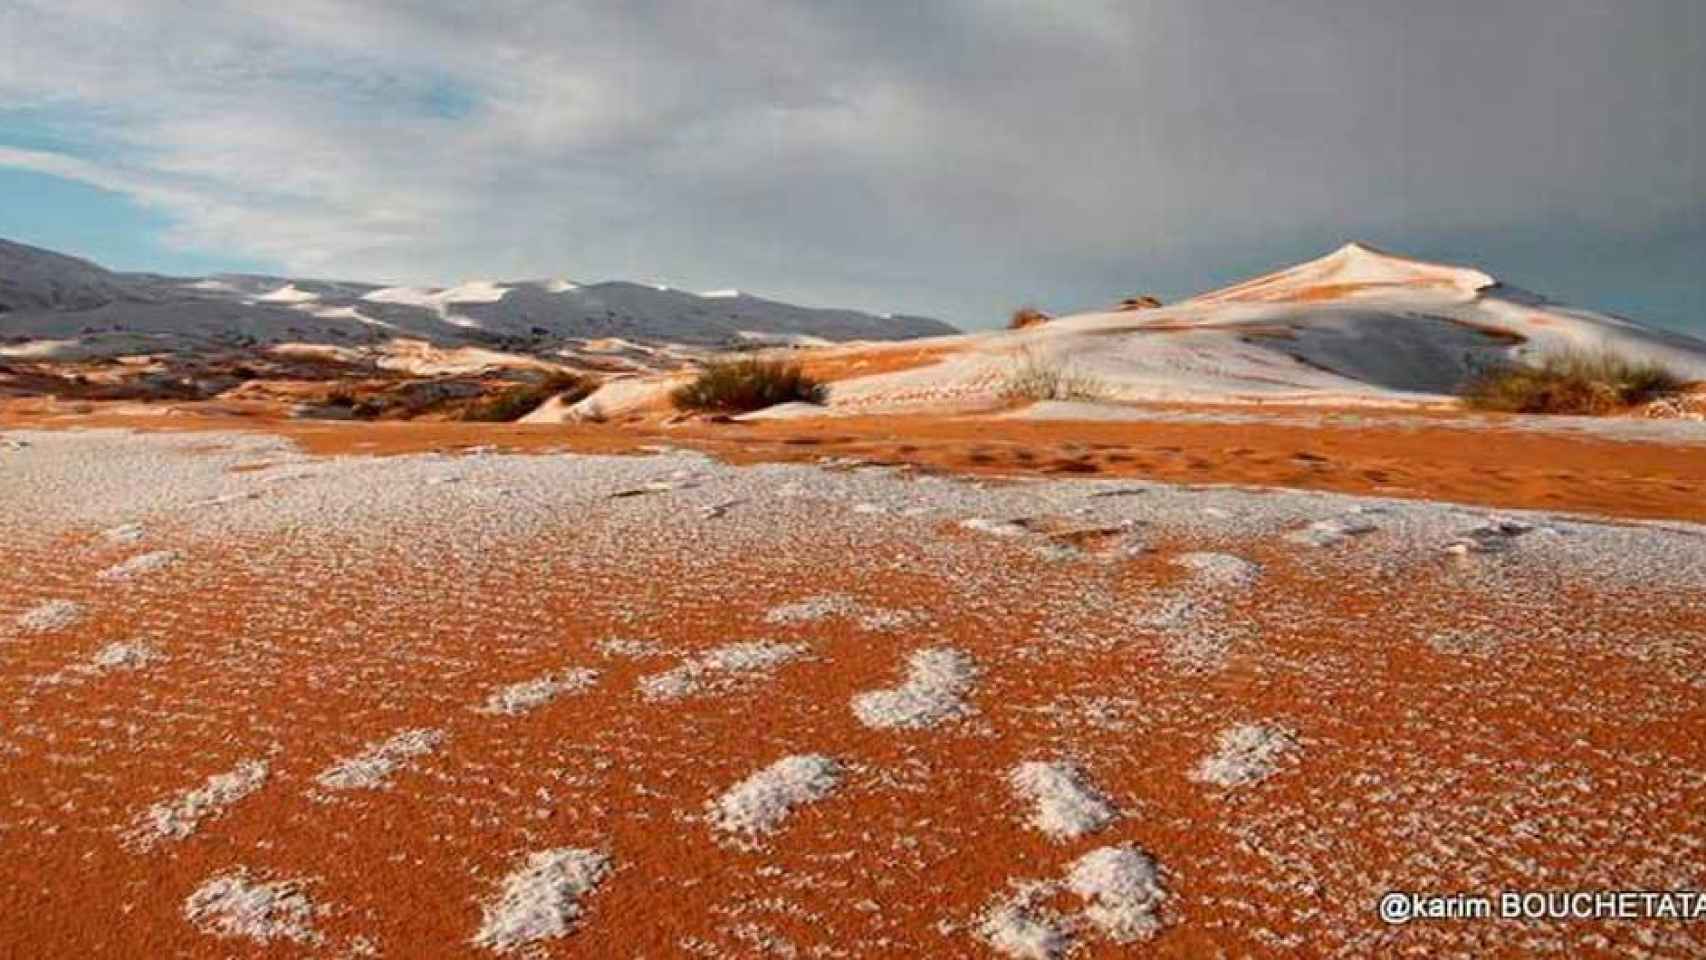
(953, 158)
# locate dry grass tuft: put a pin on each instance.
(1037, 378)
(1591, 383)
(519, 401)
(1027, 316)
(751, 383)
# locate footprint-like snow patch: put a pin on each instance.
(1064, 805)
(139, 565)
(1123, 890)
(937, 681)
(232, 905)
(541, 899)
(1326, 533)
(996, 528)
(50, 615)
(759, 804)
(1246, 754)
(519, 698)
(719, 669)
(839, 606)
(1014, 929)
(1220, 569)
(123, 655)
(124, 534)
(178, 818)
(625, 648)
(370, 769)
(812, 609)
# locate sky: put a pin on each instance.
(955, 158)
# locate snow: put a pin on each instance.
(477, 291)
(1246, 754)
(138, 565)
(122, 655)
(289, 293)
(178, 817)
(372, 768)
(760, 803)
(720, 294)
(527, 695)
(1064, 806)
(231, 905)
(1123, 888)
(540, 899)
(1016, 932)
(58, 307)
(720, 669)
(936, 684)
(1356, 327)
(50, 615)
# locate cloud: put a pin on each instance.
(953, 157)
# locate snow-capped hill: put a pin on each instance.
(1355, 271)
(1355, 326)
(88, 310)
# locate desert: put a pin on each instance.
(744, 479)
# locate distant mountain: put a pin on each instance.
(51, 296)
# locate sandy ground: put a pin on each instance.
(1619, 467)
(453, 702)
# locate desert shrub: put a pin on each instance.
(1037, 378)
(518, 401)
(1571, 382)
(1026, 317)
(751, 383)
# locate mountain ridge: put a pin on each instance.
(45, 294)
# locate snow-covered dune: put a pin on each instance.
(1356, 326)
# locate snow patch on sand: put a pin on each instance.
(812, 609)
(50, 615)
(1331, 531)
(370, 769)
(1220, 569)
(626, 648)
(937, 681)
(719, 669)
(138, 565)
(231, 905)
(836, 606)
(1016, 929)
(1247, 753)
(759, 804)
(1123, 890)
(1064, 805)
(123, 655)
(123, 533)
(178, 817)
(541, 899)
(519, 698)
(1122, 893)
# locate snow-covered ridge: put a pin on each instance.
(76, 308)
(1355, 327)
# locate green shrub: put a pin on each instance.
(1571, 382)
(751, 383)
(519, 401)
